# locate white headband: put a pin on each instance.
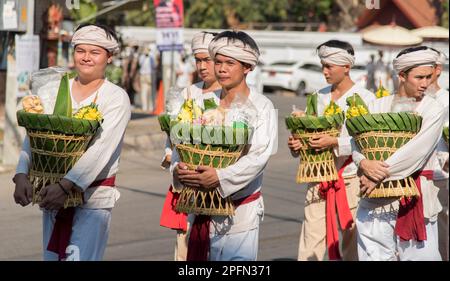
(233, 48)
(94, 35)
(336, 56)
(407, 61)
(442, 58)
(200, 42)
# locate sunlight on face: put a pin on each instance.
(90, 59)
(229, 72)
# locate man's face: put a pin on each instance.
(205, 67)
(90, 59)
(229, 72)
(417, 81)
(334, 73)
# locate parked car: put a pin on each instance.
(297, 76)
(254, 78)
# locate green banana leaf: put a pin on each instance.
(63, 104)
(222, 136)
(296, 124)
(445, 134)
(311, 105)
(356, 100)
(164, 122)
(57, 124)
(402, 121)
(209, 104)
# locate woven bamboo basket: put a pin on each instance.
(207, 202)
(56, 143)
(378, 136)
(315, 166)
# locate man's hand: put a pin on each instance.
(366, 185)
(374, 170)
(294, 145)
(23, 192)
(181, 171)
(53, 196)
(204, 177)
(166, 162)
(322, 142)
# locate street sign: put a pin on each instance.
(168, 39)
(169, 23)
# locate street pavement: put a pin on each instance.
(135, 231)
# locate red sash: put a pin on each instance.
(171, 218)
(62, 229)
(336, 200)
(198, 245)
(410, 223)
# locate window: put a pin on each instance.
(312, 67)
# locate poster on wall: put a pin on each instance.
(27, 61)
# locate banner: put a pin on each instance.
(169, 24)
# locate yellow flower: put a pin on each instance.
(352, 112)
(89, 112)
(381, 91)
(189, 111)
(332, 109)
(362, 110)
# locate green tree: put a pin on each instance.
(87, 8)
(232, 13)
(444, 17)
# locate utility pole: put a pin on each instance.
(13, 136)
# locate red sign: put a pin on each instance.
(169, 13)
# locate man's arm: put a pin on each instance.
(107, 140)
(237, 176)
(412, 156)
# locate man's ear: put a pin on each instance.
(402, 76)
(438, 69)
(347, 68)
(109, 58)
(247, 68)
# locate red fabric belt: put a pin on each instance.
(335, 194)
(198, 245)
(171, 218)
(410, 224)
(62, 229)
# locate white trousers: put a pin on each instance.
(90, 232)
(378, 242)
(241, 246)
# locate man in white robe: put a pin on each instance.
(234, 237)
(381, 234)
(441, 164)
(200, 91)
(94, 173)
(337, 58)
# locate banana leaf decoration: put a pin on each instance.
(445, 134)
(63, 105)
(392, 121)
(311, 105)
(356, 106)
(311, 121)
(381, 91)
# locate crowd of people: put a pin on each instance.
(372, 228)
